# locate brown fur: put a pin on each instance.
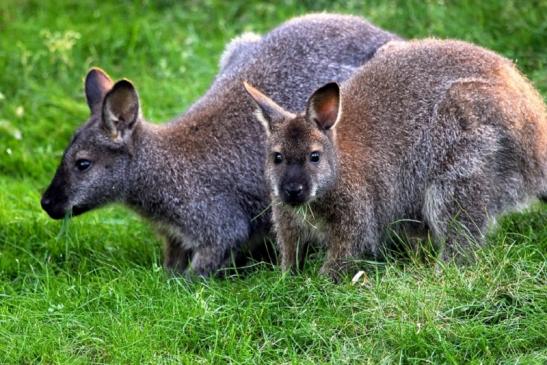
(443, 133)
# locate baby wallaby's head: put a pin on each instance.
(302, 162)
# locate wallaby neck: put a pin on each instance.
(154, 162)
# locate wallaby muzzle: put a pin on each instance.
(54, 200)
(294, 188)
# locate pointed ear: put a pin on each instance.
(120, 109)
(268, 112)
(324, 106)
(97, 84)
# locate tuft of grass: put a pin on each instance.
(92, 289)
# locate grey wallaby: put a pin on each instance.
(441, 133)
(200, 178)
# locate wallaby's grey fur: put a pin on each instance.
(200, 178)
(238, 50)
(440, 132)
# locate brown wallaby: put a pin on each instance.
(200, 178)
(440, 132)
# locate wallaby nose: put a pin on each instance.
(46, 203)
(294, 190)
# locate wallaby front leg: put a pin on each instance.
(337, 260)
(349, 242)
(290, 236)
(288, 247)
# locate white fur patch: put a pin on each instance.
(275, 188)
(313, 190)
(260, 117)
(432, 208)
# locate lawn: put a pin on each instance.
(92, 289)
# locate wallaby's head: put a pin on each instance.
(302, 159)
(94, 165)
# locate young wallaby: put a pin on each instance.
(200, 178)
(440, 132)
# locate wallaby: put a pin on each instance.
(440, 132)
(200, 178)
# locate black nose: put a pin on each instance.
(46, 203)
(294, 190)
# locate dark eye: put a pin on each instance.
(83, 164)
(314, 156)
(277, 158)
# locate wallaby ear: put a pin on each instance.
(268, 112)
(324, 106)
(97, 84)
(120, 109)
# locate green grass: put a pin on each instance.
(92, 289)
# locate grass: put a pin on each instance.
(92, 289)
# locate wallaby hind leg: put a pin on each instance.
(221, 231)
(457, 214)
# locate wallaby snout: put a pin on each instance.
(295, 188)
(54, 200)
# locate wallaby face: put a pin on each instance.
(301, 161)
(94, 165)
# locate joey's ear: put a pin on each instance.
(268, 112)
(120, 110)
(324, 106)
(97, 84)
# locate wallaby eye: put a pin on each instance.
(277, 158)
(314, 156)
(83, 164)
